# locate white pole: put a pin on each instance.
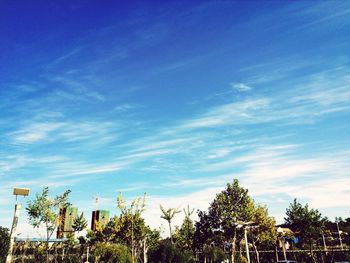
(13, 232)
(340, 241)
(87, 255)
(324, 244)
(246, 244)
(284, 249)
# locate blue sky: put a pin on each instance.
(175, 99)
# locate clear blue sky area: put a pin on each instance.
(175, 99)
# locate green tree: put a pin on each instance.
(80, 223)
(219, 226)
(168, 215)
(130, 219)
(167, 252)
(44, 210)
(4, 243)
(110, 253)
(185, 234)
(308, 223)
(264, 234)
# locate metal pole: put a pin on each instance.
(246, 244)
(284, 249)
(324, 244)
(13, 232)
(340, 241)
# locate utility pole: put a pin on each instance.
(16, 192)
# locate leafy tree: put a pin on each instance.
(110, 253)
(185, 234)
(129, 228)
(80, 223)
(4, 243)
(168, 215)
(132, 214)
(44, 211)
(264, 234)
(308, 223)
(219, 226)
(167, 252)
(215, 254)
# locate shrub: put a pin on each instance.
(111, 253)
(167, 252)
(4, 243)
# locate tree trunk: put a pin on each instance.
(171, 236)
(145, 248)
(312, 252)
(257, 252)
(47, 244)
(276, 253)
(233, 250)
(132, 240)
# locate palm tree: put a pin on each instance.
(168, 216)
(80, 223)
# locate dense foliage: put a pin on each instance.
(232, 223)
(222, 225)
(4, 243)
(308, 224)
(44, 211)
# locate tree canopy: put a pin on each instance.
(4, 243)
(230, 208)
(308, 223)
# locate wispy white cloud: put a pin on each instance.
(77, 89)
(77, 169)
(240, 87)
(231, 113)
(35, 132)
(126, 107)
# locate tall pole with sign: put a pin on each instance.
(16, 192)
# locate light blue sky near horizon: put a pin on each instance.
(176, 99)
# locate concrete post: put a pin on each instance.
(13, 232)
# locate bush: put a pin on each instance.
(167, 252)
(111, 253)
(215, 254)
(242, 259)
(4, 243)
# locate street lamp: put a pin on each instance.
(17, 192)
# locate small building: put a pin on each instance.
(99, 218)
(66, 220)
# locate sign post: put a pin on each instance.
(16, 192)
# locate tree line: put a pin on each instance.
(234, 228)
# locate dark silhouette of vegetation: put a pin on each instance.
(4, 243)
(220, 226)
(217, 235)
